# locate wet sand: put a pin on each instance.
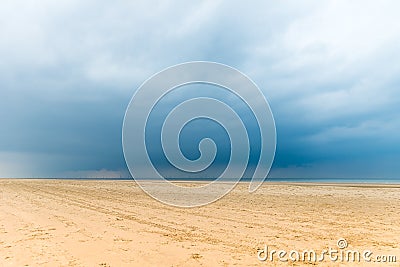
(113, 223)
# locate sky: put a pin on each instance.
(329, 70)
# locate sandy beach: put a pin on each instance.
(113, 223)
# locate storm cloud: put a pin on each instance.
(329, 69)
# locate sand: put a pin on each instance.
(113, 223)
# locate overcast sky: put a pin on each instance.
(329, 69)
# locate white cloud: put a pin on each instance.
(334, 41)
(337, 61)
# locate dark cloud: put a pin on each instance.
(69, 68)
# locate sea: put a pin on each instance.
(270, 180)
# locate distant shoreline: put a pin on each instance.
(392, 183)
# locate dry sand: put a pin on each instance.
(113, 223)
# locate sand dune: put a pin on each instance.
(113, 223)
